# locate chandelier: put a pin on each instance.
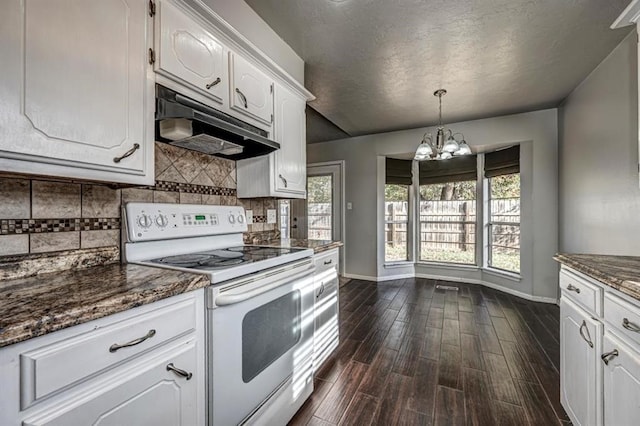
(446, 145)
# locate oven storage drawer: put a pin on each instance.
(326, 260)
(326, 316)
(49, 368)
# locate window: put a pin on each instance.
(504, 222)
(319, 207)
(396, 221)
(448, 222)
(502, 170)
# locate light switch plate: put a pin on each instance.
(349, 206)
(271, 216)
(249, 215)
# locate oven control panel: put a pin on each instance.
(154, 221)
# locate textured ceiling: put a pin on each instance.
(374, 64)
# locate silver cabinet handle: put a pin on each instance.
(573, 288)
(608, 356)
(129, 153)
(213, 83)
(321, 290)
(179, 372)
(117, 346)
(586, 339)
(630, 325)
(283, 180)
(328, 262)
(243, 97)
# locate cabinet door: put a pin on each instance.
(76, 87)
(251, 90)
(621, 384)
(146, 393)
(190, 53)
(580, 370)
(326, 316)
(290, 132)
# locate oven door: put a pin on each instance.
(260, 344)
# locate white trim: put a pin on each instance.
(455, 266)
(398, 264)
(501, 273)
(490, 285)
(360, 277)
(629, 16)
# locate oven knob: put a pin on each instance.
(232, 219)
(162, 221)
(240, 218)
(144, 221)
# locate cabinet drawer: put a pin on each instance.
(326, 260)
(582, 292)
(623, 316)
(50, 368)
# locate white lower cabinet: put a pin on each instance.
(621, 383)
(326, 332)
(145, 393)
(144, 366)
(579, 364)
(600, 385)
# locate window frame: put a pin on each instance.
(476, 258)
(489, 224)
(409, 227)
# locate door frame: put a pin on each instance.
(340, 164)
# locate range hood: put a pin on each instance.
(184, 122)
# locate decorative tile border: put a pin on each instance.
(193, 188)
(259, 219)
(37, 226)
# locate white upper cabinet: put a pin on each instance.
(251, 90)
(282, 173)
(290, 133)
(190, 54)
(76, 89)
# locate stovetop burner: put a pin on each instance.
(222, 258)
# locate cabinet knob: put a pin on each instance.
(608, 356)
(213, 83)
(630, 325)
(571, 287)
(586, 339)
(242, 97)
(129, 153)
(117, 346)
(179, 371)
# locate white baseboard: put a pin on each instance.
(491, 285)
(378, 279)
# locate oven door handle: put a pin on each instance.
(231, 299)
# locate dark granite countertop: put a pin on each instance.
(318, 246)
(619, 272)
(34, 306)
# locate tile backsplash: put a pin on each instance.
(41, 216)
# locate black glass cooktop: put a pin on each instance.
(222, 258)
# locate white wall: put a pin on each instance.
(598, 145)
(240, 16)
(364, 177)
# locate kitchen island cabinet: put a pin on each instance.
(600, 339)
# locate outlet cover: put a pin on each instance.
(249, 215)
(271, 216)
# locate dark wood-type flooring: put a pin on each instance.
(412, 354)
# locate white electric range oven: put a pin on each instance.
(259, 306)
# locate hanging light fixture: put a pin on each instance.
(446, 145)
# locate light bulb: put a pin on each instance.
(424, 149)
(444, 156)
(464, 149)
(450, 145)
